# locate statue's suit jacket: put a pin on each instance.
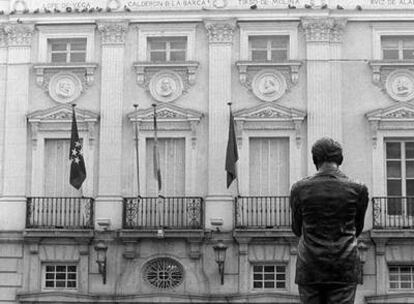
(328, 211)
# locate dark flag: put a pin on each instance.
(156, 156)
(77, 163)
(232, 155)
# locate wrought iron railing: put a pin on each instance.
(59, 212)
(165, 212)
(263, 212)
(390, 212)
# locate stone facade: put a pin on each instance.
(333, 82)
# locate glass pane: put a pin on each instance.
(408, 42)
(58, 46)
(280, 285)
(157, 45)
(269, 284)
(393, 150)
(78, 46)
(257, 276)
(60, 276)
(77, 57)
(280, 268)
(269, 276)
(394, 206)
(257, 285)
(258, 42)
(410, 187)
(72, 284)
(279, 41)
(72, 276)
(269, 268)
(408, 54)
(393, 277)
(72, 268)
(280, 276)
(409, 167)
(59, 57)
(179, 44)
(394, 187)
(410, 206)
(50, 284)
(158, 56)
(257, 268)
(259, 55)
(50, 268)
(279, 55)
(50, 276)
(405, 285)
(390, 54)
(60, 284)
(393, 169)
(177, 56)
(393, 269)
(389, 42)
(393, 285)
(409, 150)
(61, 268)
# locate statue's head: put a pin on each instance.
(327, 150)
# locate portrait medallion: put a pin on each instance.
(400, 85)
(269, 85)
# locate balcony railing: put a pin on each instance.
(59, 212)
(263, 212)
(393, 212)
(166, 212)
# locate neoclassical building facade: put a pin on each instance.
(293, 71)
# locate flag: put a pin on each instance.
(77, 163)
(156, 154)
(231, 155)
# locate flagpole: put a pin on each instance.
(237, 173)
(136, 148)
(157, 169)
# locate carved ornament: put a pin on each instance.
(65, 87)
(220, 31)
(166, 86)
(323, 29)
(399, 85)
(19, 34)
(113, 33)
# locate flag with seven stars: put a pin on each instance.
(77, 163)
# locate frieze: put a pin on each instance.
(113, 33)
(269, 113)
(403, 113)
(220, 31)
(165, 114)
(19, 34)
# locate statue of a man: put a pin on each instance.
(328, 211)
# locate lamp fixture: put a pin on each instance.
(220, 253)
(101, 250)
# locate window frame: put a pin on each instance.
(66, 264)
(380, 30)
(399, 265)
(269, 47)
(68, 51)
(249, 29)
(146, 31)
(47, 33)
(274, 264)
(168, 49)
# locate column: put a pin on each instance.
(109, 199)
(219, 202)
(324, 101)
(15, 105)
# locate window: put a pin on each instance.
(269, 166)
(57, 169)
(67, 50)
(400, 177)
(268, 48)
(61, 276)
(172, 164)
(269, 276)
(397, 47)
(163, 273)
(167, 48)
(401, 276)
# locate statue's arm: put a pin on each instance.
(361, 209)
(296, 213)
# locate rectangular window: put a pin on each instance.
(397, 47)
(401, 276)
(167, 48)
(67, 50)
(57, 169)
(61, 276)
(172, 164)
(269, 276)
(269, 166)
(268, 48)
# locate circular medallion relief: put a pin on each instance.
(163, 273)
(269, 85)
(400, 85)
(166, 86)
(65, 87)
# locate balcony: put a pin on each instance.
(395, 212)
(59, 214)
(167, 213)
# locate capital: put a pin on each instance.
(19, 34)
(323, 29)
(113, 32)
(220, 31)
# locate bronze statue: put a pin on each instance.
(328, 211)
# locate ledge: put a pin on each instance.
(378, 65)
(58, 233)
(89, 68)
(132, 234)
(391, 298)
(263, 233)
(392, 233)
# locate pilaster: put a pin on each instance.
(219, 203)
(108, 203)
(18, 38)
(324, 77)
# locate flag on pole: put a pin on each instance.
(156, 156)
(231, 155)
(77, 163)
